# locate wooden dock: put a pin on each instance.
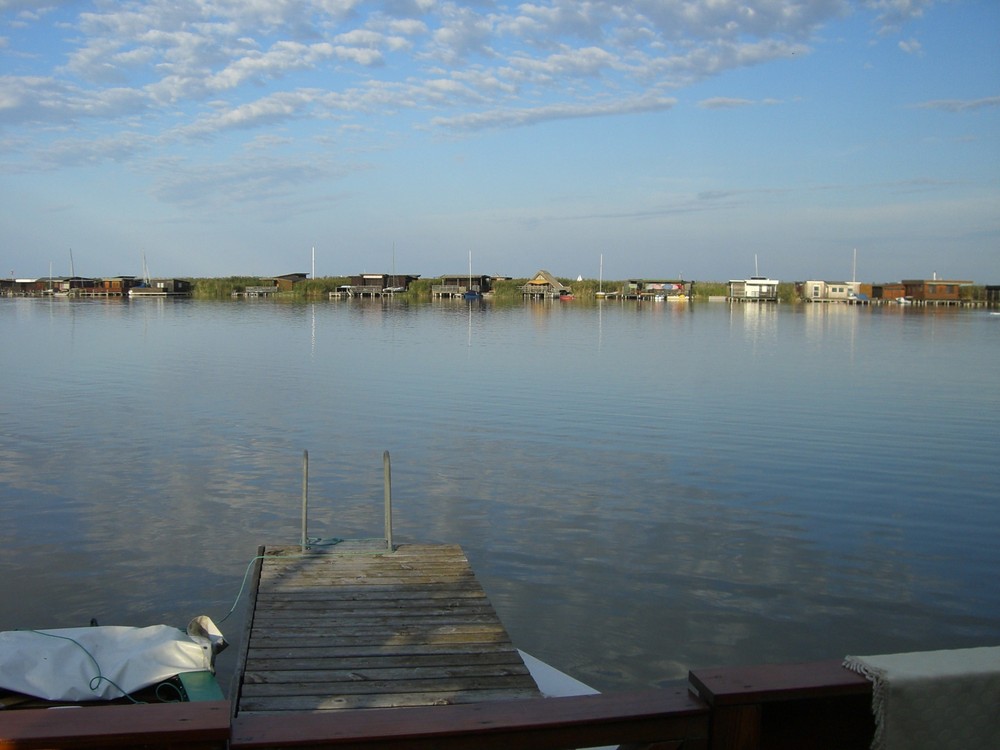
(350, 626)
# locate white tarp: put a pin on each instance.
(100, 663)
(938, 700)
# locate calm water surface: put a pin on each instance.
(641, 489)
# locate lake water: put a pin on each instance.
(642, 489)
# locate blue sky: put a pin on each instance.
(673, 137)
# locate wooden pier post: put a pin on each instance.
(305, 498)
(388, 500)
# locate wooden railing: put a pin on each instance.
(156, 726)
(451, 289)
(670, 718)
(818, 705)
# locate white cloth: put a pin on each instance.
(934, 699)
(100, 663)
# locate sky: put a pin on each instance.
(701, 139)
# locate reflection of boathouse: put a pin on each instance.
(543, 285)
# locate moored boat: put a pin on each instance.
(109, 664)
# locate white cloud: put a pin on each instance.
(271, 109)
(891, 15)
(281, 58)
(531, 115)
(264, 62)
(46, 100)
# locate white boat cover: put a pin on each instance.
(102, 662)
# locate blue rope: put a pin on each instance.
(333, 542)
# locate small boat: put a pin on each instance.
(471, 294)
(109, 664)
(600, 293)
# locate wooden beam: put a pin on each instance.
(672, 716)
(198, 725)
(820, 705)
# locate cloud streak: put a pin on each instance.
(959, 105)
(531, 116)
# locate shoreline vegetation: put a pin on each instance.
(503, 291)
(508, 290)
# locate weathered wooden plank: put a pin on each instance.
(383, 700)
(359, 626)
(300, 582)
(384, 662)
(367, 564)
(292, 635)
(395, 683)
(330, 676)
(398, 607)
(467, 590)
(391, 599)
(415, 648)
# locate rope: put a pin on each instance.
(99, 678)
(317, 542)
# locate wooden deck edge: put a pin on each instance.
(154, 725)
(762, 683)
(236, 687)
(672, 715)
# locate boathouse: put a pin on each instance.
(658, 289)
(113, 286)
(754, 289)
(286, 282)
(544, 285)
(888, 292)
(458, 284)
(993, 294)
(935, 291)
(26, 287)
(274, 285)
(376, 285)
(828, 291)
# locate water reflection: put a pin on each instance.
(704, 484)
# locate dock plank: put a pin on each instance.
(355, 626)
